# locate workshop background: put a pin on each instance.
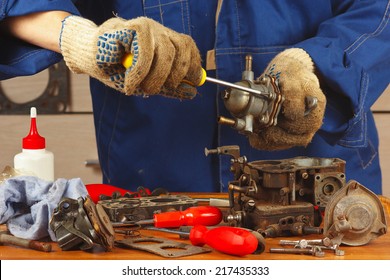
(65, 119)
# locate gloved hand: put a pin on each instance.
(294, 70)
(162, 59)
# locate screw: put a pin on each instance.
(314, 251)
(303, 243)
(297, 244)
(335, 248)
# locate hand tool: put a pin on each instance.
(217, 202)
(228, 240)
(197, 215)
(184, 231)
(127, 61)
(24, 243)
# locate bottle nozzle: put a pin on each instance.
(33, 112)
(33, 140)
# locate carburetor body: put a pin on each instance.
(281, 197)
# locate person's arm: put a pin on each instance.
(41, 29)
(351, 52)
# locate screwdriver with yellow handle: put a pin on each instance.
(127, 61)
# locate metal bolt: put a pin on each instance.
(296, 243)
(314, 251)
(303, 243)
(335, 248)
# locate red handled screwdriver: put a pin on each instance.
(228, 240)
(197, 215)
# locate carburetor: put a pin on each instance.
(281, 197)
(255, 104)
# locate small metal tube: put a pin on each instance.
(226, 121)
(24, 243)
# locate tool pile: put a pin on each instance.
(353, 215)
(70, 224)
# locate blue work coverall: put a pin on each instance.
(159, 142)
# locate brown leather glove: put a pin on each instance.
(294, 70)
(162, 59)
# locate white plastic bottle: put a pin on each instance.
(34, 159)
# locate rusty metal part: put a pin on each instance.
(100, 222)
(163, 247)
(123, 210)
(183, 231)
(234, 151)
(303, 243)
(53, 100)
(8, 239)
(80, 224)
(254, 104)
(314, 251)
(324, 244)
(128, 232)
(354, 216)
(334, 248)
(260, 242)
(280, 197)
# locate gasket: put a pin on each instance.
(53, 100)
(162, 247)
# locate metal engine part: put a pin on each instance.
(54, 99)
(81, 224)
(281, 197)
(162, 247)
(135, 209)
(354, 216)
(255, 109)
(255, 103)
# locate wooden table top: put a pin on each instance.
(377, 249)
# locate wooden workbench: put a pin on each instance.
(378, 249)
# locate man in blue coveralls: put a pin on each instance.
(336, 51)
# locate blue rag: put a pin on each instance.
(27, 204)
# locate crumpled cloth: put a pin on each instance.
(27, 203)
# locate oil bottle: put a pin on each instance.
(34, 159)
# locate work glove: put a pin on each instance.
(298, 119)
(162, 58)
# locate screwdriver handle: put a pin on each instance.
(228, 240)
(197, 215)
(127, 61)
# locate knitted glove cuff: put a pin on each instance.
(296, 54)
(77, 43)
